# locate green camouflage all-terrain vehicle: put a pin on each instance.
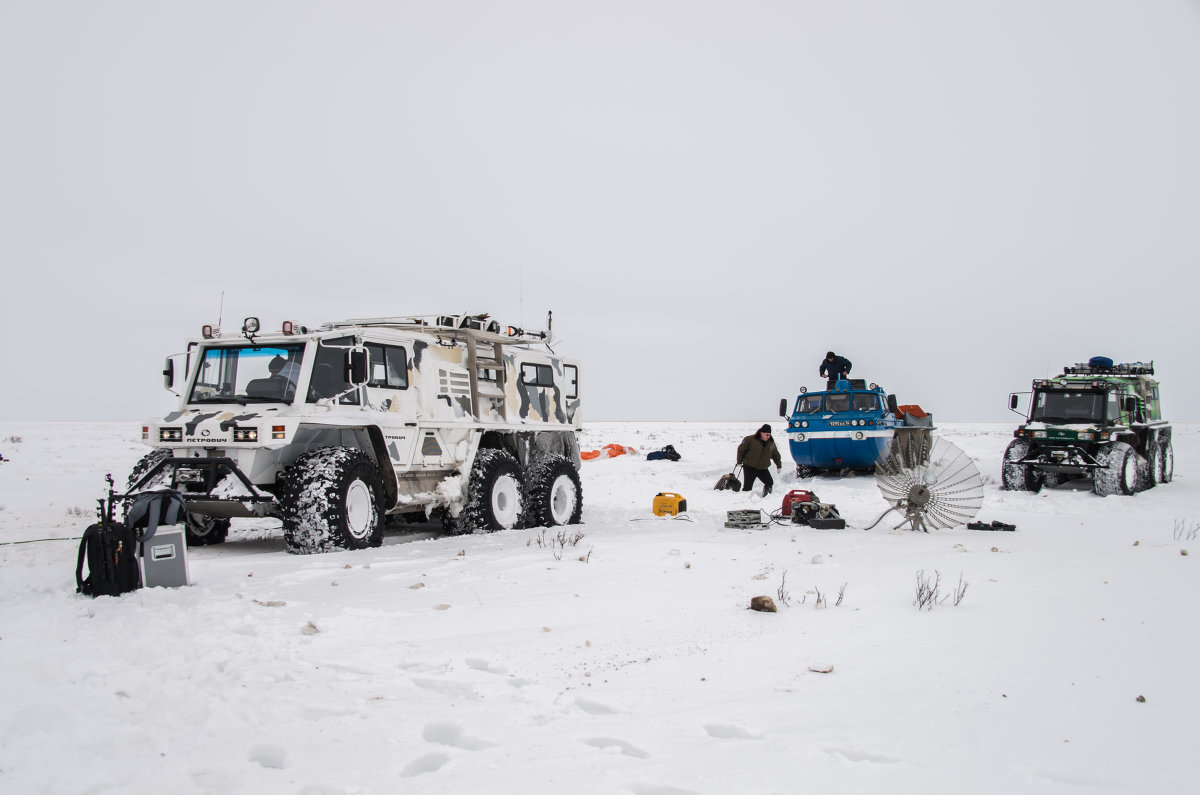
(1099, 421)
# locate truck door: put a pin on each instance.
(388, 393)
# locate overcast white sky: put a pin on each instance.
(709, 195)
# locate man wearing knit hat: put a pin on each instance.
(755, 454)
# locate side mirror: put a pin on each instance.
(1012, 401)
(1130, 404)
(893, 406)
(356, 367)
(169, 373)
(783, 407)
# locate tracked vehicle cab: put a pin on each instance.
(847, 428)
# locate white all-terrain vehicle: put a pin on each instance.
(334, 429)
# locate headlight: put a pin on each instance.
(278, 431)
(858, 435)
(170, 434)
(799, 437)
(1087, 436)
(1039, 434)
(245, 434)
(804, 423)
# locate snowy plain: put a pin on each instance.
(630, 663)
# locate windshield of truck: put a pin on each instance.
(839, 401)
(1068, 407)
(265, 374)
(866, 401)
(808, 404)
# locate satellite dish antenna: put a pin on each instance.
(932, 483)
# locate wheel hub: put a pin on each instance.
(360, 509)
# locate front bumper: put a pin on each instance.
(1068, 459)
(210, 486)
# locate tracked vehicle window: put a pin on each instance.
(865, 402)
(838, 402)
(808, 404)
(389, 367)
(1068, 407)
(329, 373)
(537, 375)
(571, 375)
(248, 375)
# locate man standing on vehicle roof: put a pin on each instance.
(755, 453)
(838, 367)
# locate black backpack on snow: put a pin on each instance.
(110, 550)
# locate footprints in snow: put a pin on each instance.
(453, 736)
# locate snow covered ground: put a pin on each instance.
(486, 664)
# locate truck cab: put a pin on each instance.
(1098, 421)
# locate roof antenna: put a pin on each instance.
(221, 309)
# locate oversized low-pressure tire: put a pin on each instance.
(553, 494)
(1052, 479)
(144, 465)
(1166, 462)
(205, 530)
(1013, 476)
(493, 494)
(1118, 472)
(1151, 470)
(331, 498)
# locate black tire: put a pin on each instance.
(553, 494)
(144, 465)
(199, 531)
(331, 498)
(1014, 477)
(203, 531)
(1166, 462)
(1118, 473)
(493, 494)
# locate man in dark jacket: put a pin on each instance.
(755, 454)
(838, 367)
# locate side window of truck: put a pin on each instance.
(537, 374)
(571, 376)
(389, 366)
(328, 375)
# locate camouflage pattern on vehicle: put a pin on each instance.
(333, 429)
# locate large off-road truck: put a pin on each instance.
(1099, 421)
(334, 429)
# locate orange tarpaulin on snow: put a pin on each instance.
(608, 451)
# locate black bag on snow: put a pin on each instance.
(667, 453)
(110, 551)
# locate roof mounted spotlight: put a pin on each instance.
(250, 327)
(208, 332)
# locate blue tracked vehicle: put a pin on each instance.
(851, 427)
